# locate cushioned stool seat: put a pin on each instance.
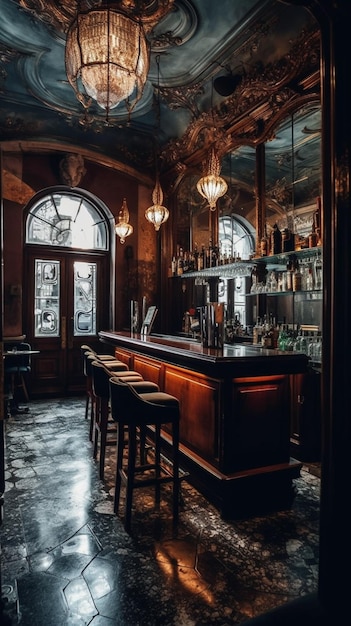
(133, 409)
(102, 426)
(88, 357)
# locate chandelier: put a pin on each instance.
(107, 57)
(212, 186)
(123, 228)
(157, 214)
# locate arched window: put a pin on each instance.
(67, 219)
(236, 237)
(70, 248)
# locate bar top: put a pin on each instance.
(188, 352)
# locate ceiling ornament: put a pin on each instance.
(61, 14)
(263, 98)
(72, 169)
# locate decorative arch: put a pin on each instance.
(70, 218)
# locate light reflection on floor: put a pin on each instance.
(66, 559)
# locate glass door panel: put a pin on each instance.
(68, 303)
(47, 298)
(84, 299)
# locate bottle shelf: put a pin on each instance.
(315, 294)
(244, 268)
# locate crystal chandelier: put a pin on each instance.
(157, 214)
(107, 57)
(212, 186)
(123, 228)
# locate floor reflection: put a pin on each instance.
(66, 559)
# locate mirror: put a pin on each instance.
(292, 181)
(293, 177)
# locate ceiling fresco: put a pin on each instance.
(219, 73)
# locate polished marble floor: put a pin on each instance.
(66, 559)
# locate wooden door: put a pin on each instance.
(66, 304)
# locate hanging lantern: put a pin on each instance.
(157, 214)
(123, 228)
(107, 57)
(212, 186)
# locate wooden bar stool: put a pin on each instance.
(103, 425)
(132, 410)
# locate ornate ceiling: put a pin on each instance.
(266, 53)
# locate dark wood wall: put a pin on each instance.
(135, 260)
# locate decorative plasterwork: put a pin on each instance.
(251, 114)
(60, 15)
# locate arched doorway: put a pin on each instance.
(67, 289)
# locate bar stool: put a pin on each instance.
(132, 410)
(89, 357)
(85, 349)
(102, 422)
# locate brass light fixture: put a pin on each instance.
(123, 228)
(212, 186)
(107, 53)
(107, 57)
(157, 214)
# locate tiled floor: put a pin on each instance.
(67, 561)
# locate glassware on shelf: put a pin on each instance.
(318, 272)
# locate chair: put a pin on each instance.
(132, 410)
(101, 375)
(16, 368)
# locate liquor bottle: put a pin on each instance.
(202, 258)
(309, 280)
(257, 332)
(264, 247)
(297, 277)
(288, 240)
(215, 256)
(209, 254)
(313, 237)
(266, 340)
(289, 274)
(196, 257)
(180, 263)
(276, 240)
(174, 266)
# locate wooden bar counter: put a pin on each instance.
(235, 415)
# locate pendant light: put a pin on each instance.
(107, 54)
(212, 186)
(157, 214)
(123, 228)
